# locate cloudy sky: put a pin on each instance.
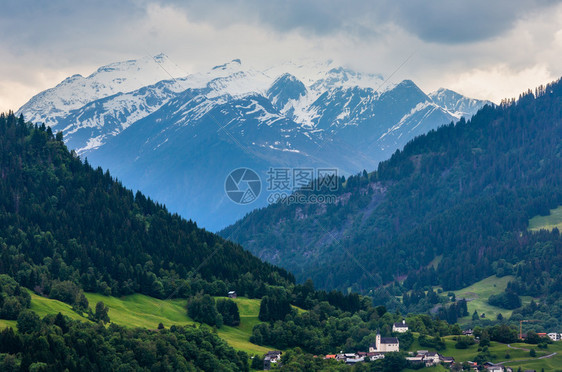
(481, 48)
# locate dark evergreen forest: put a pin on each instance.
(465, 191)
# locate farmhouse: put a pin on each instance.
(370, 356)
(354, 360)
(384, 344)
(400, 327)
(232, 294)
(429, 358)
(492, 367)
(271, 357)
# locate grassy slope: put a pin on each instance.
(238, 337)
(499, 351)
(142, 311)
(554, 219)
(478, 294)
(550, 364)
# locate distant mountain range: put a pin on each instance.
(176, 136)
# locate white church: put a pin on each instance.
(384, 345)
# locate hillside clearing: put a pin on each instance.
(554, 219)
(142, 311)
(478, 293)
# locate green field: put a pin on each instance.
(554, 219)
(138, 310)
(238, 337)
(478, 293)
(550, 364)
(142, 311)
(45, 306)
(147, 312)
(499, 351)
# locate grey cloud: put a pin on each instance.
(441, 21)
(27, 23)
(447, 21)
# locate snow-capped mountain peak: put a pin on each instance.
(457, 104)
(76, 91)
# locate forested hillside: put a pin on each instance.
(464, 192)
(67, 228)
(64, 222)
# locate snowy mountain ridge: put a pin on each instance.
(174, 136)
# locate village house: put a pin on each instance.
(340, 357)
(555, 336)
(431, 359)
(400, 327)
(376, 351)
(370, 356)
(352, 361)
(232, 294)
(384, 344)
(271, 357)
(492, 367)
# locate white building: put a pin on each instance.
(555, 336)
(431, 359)
(270, 358)
(491, 367)
(400, 327)
(384, 344)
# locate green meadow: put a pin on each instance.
(138, 310)
(554, 219)
(478, 293)
(498, 351)
(477, 296)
